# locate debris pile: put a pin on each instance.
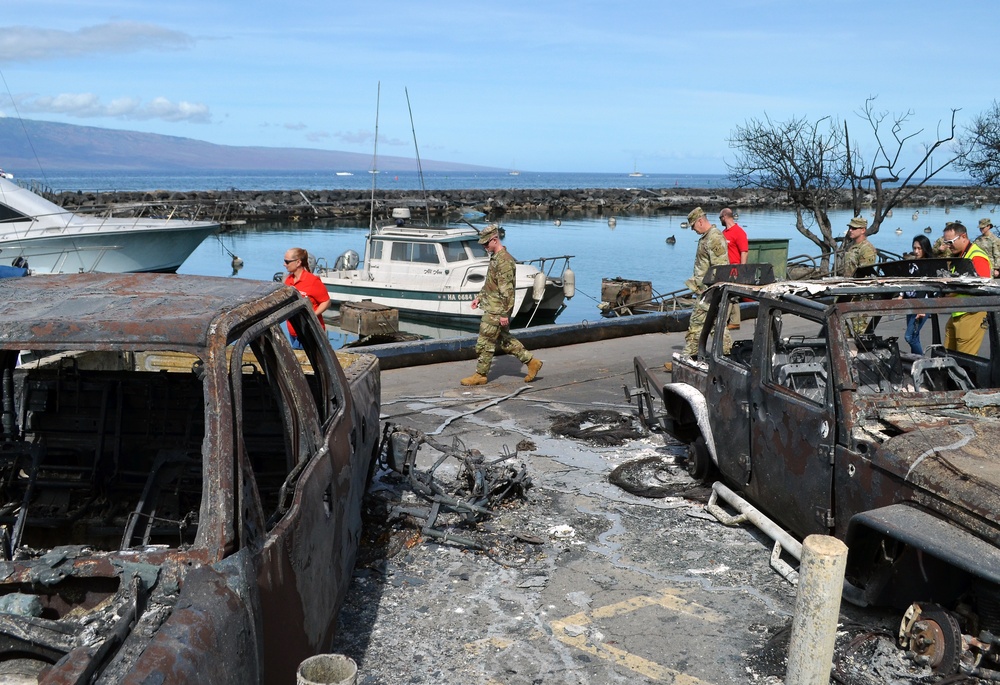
(444, 503)
(657, 477)
(598, 427)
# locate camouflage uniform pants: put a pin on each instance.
(698, 316)
(493, 337)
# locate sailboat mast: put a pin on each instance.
(420, 169)
(371, 213)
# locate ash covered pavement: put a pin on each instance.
(579, 581)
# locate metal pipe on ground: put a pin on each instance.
(817, 610)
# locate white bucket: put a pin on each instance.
(327, 669)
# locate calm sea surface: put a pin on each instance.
(634, 248)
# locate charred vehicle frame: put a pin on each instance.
(180, 490)
(818, 419)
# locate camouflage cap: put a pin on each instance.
(983, 223)
(694, 215)
(488, 234)
(858, 222)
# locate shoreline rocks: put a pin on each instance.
(309, 205)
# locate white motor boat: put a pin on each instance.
(429, 272)
(50, 239)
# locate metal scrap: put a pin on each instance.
(481, 486)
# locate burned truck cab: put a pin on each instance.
(819, 416)
(179, 489)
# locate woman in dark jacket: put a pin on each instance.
(914, 322)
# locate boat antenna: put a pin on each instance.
(371, 214)
(420, 169)
(23, 128)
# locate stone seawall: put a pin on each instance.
(306, 205)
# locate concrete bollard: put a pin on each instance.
(817, 610)
(327, 669)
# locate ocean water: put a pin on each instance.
(635, 248)
(362, 180)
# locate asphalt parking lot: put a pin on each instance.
(579, 581)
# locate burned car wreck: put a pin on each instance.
(179, 489)
(817, 417)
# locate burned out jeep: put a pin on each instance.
(180, 490)
(822, 419)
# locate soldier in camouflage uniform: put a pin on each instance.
(497, 302)
(861, 252)
(712, 251)
(990, 244)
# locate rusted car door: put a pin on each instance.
(792, 421)
(281, 437)
(727, 394)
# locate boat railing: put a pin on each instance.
(682, 298)
(547, 265)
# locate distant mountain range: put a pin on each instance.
(26, 144)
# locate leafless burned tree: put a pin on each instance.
(804, 159)
(885, 176)
(980, 147)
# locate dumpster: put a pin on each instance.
(773, 251)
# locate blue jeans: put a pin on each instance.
(913, 326)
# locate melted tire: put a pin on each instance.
(699, 462)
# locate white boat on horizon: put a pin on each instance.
(434, 272)
(344, 173)
(45, 238)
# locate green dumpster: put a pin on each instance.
(773, 251)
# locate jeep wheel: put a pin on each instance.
(699, 462)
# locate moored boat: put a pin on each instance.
(42, 236)
(434, 272)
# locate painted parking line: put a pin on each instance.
(572, 631)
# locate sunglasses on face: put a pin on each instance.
(289, 261)
(949, 242)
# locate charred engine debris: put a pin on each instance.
(452, 510)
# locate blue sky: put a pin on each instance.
(549, 85)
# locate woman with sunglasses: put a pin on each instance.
(301, 277)
(914, 322)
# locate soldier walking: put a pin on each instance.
(496, 299)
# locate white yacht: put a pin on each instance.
(45, 238)
(435, 272)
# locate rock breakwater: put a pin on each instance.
(302, 205)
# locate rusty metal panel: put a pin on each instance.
(130, 309)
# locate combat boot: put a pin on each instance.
(534, 366)
(474, 379)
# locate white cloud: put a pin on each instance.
(89, 105)
(31, 44)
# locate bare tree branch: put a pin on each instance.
(980, 147)
(801, 158)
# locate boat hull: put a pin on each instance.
(53, 240)
(441, 305)
(160, 250)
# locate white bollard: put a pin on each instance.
(817, 611)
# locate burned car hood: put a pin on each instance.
(950, 455)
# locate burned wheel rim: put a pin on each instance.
(933, 636)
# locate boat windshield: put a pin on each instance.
(414, 252)
(458, 251)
